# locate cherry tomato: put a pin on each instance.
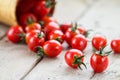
(33, 33)
(79, 42)
(52, 48)
(14, 33)
(64, 27)
(41, 9)
(82, 30)
(69, 34)
(26, 19)
(46, 19)
(56, 35)
(33, 26)
(99, 41)
(99, 63)
(35, 42)
(50, 27)
(99, 60)
(74, 58)
(115, 45)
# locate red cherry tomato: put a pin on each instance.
(47, 19)
(14, 33)
(26, 19)
(82, 30)
(33, 26)
(50, 27)
(41, 9)
(115, 45)
(79, 42)
(33, 33)
(64, 27)
(74, 58)
(99, 60)
(52, 48)
(98, 63)
(69, 34)
(56, 35)
(35, 42)
(98, 42)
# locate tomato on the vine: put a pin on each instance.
(50, 27)
(79, 42)
(26, 19)
(115, 45)
(74, 58)
(70, 33)
(14, 34)
(33, 26)
(99, 61)
(52, 48)
(56, 35)
(36, 41)
(98, 42)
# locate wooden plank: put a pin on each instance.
(3, 29)
(68, 10)
(57, 69)
(104, 19)
(15, 60)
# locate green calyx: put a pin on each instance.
(87, 33)
(22, 37)
(40, 51)
(50, 3)
(74, 27)
(30, 20)
(42, 23)
(78, 61)
(105, 53)
(58, 39)
(39, 35)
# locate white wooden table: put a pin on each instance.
(103, 16)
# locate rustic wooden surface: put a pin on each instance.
(103, 16)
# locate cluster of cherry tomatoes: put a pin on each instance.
(45, 38)
(29, 11)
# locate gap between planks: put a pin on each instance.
(35, 64)
(86, 10)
